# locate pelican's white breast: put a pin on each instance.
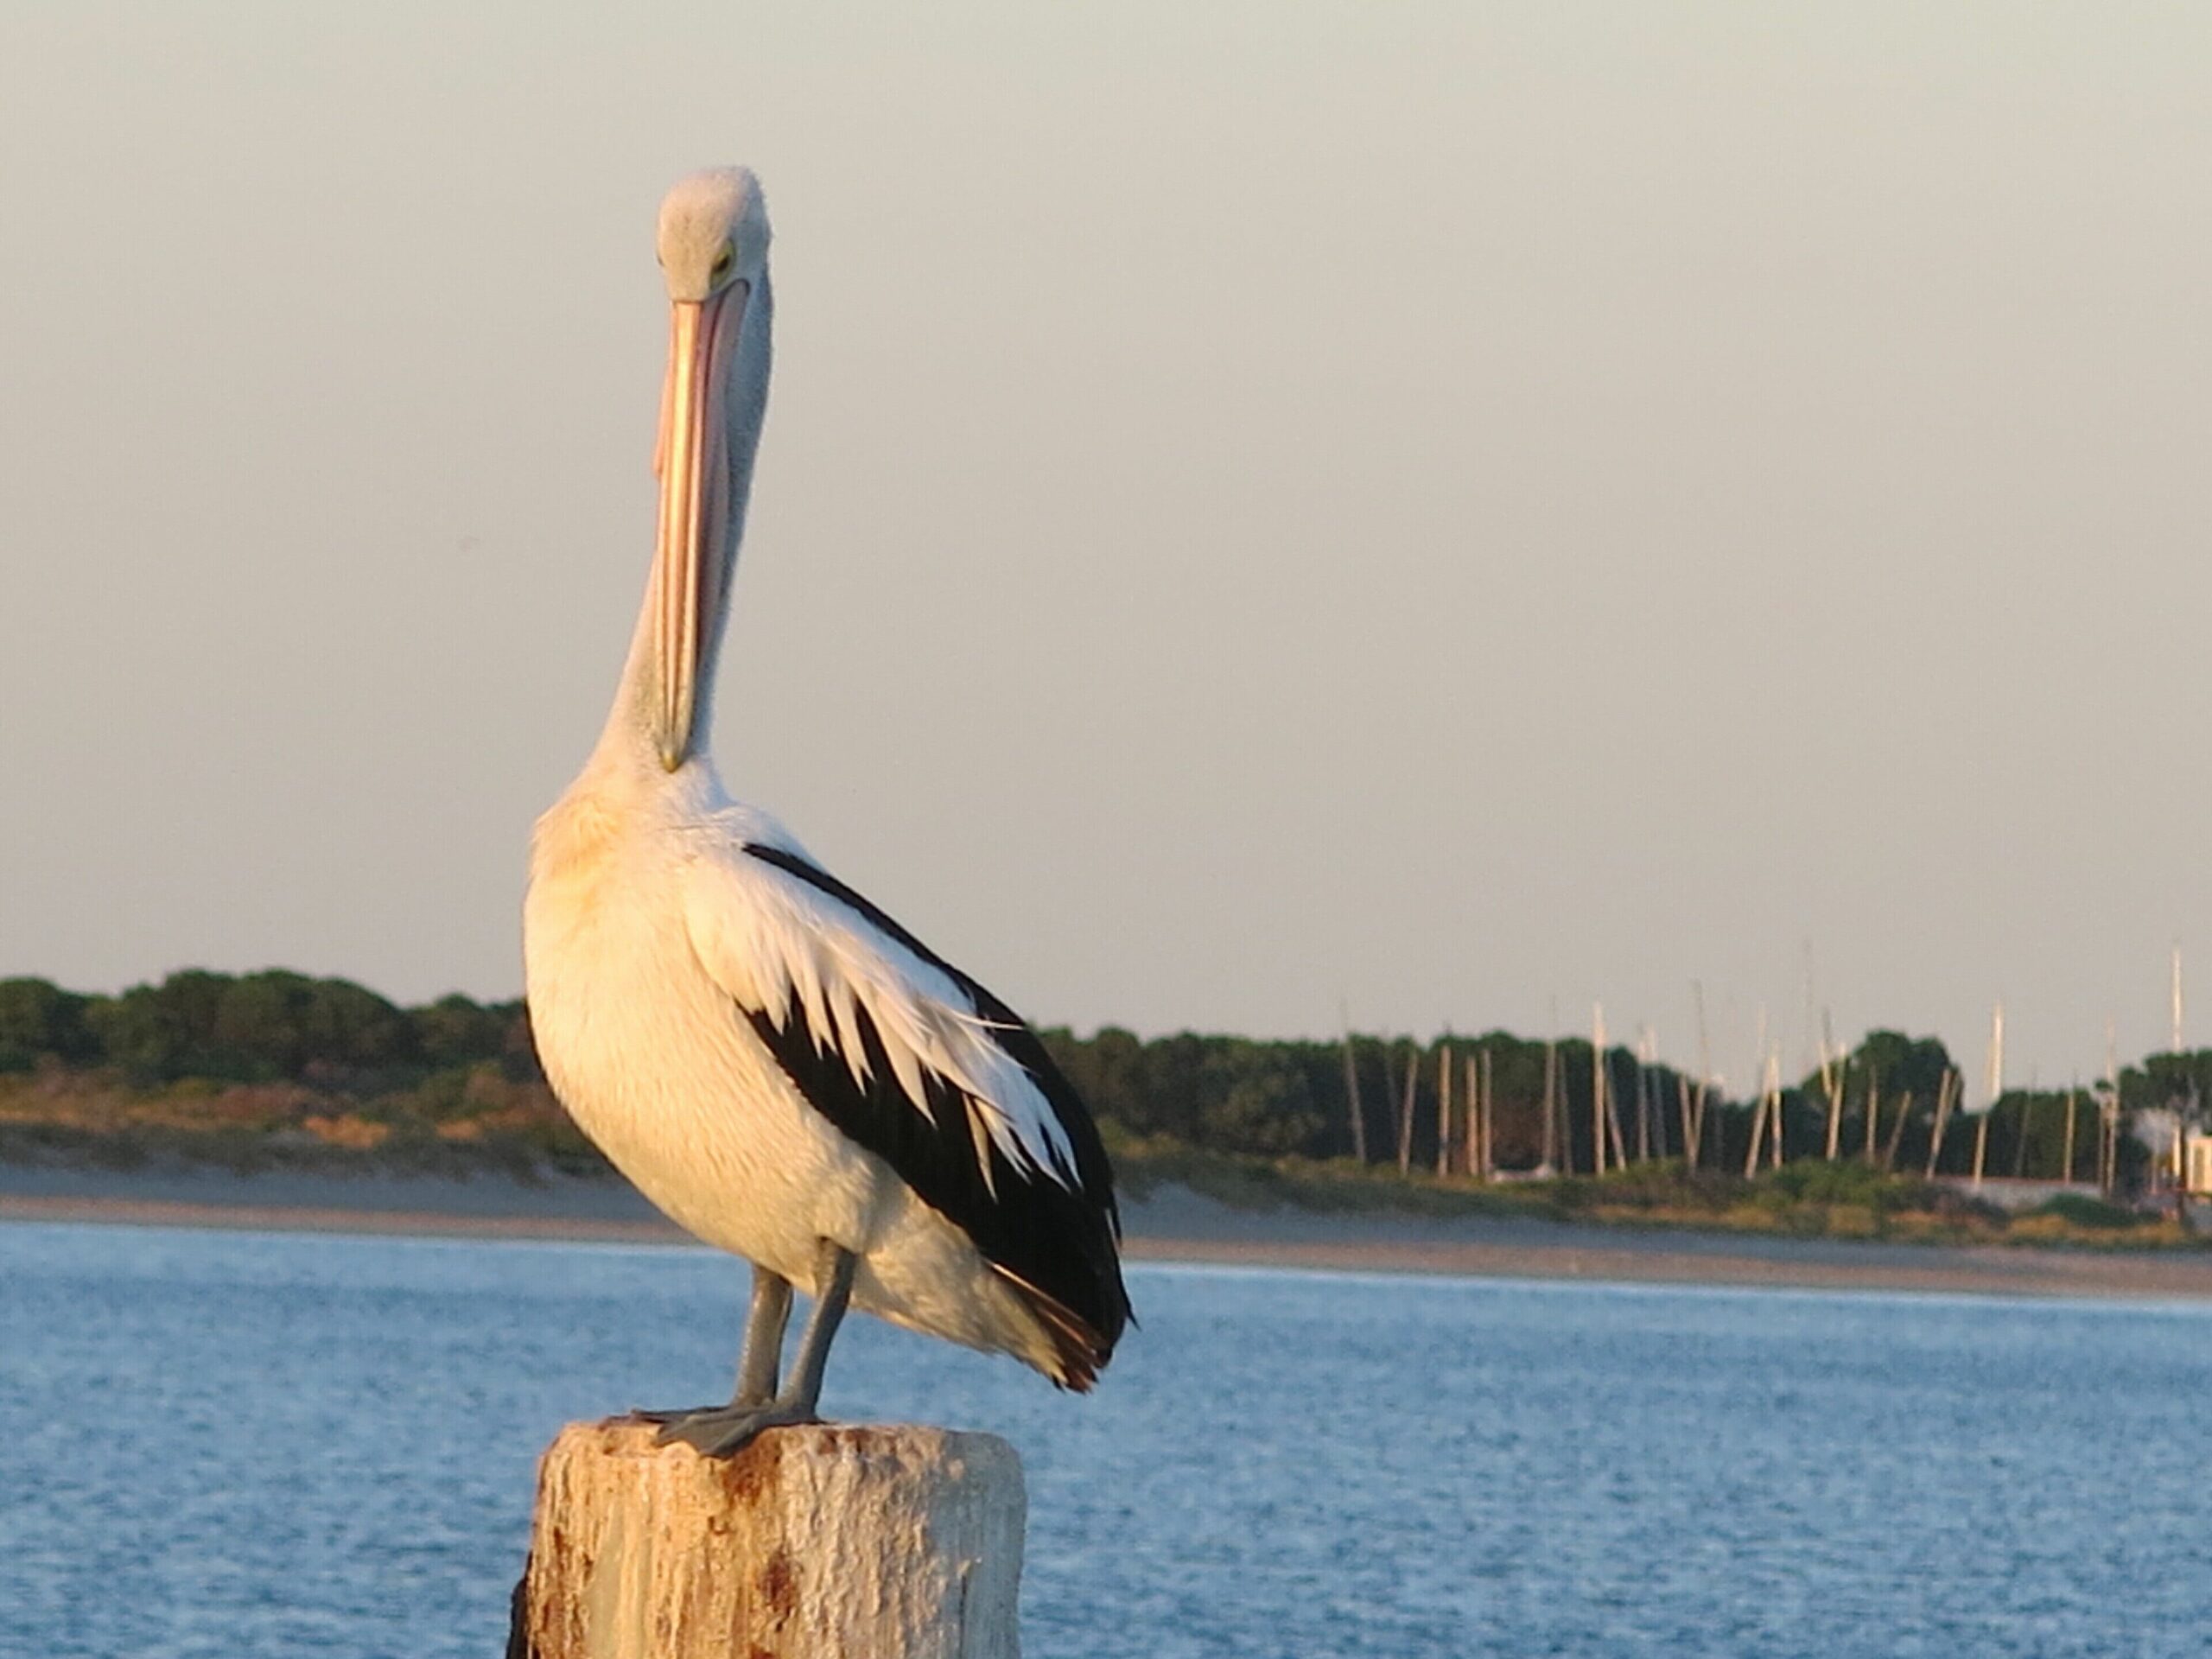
(648, 1054)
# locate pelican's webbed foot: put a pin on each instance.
(719, 1431)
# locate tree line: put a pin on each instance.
(258, 1027)
(1476, 1105)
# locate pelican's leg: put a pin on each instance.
(762, 1354)
(833, 1279)
(764, 1339)
(719, 1431)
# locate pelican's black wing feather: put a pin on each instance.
(1056, 1238)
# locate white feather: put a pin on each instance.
(773, 941)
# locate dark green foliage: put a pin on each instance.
(455, 1031)
(2176, 1082)
(1894, 1062)
(294, 1025)
(1847, 1181)
(2027, 1134)
(139, 1033)
(1221, 1094)
(1905, 1075)
(259, 1028)
(40, 1021)
(248, 1027)
(2080, 1211)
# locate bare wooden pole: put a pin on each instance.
(1897, 1134)
(1758, 1118)
(1558, 1153)
(1777, 1152)
(1611, 1096)
(1831, 1085)
(2108, 1138)
(1874, 1109)
(1643, 1055)
(1351, 1098)
(1769, 1102)
(1598, 1088)
(1996, 1090)
(2177, 1008)
(1996, 1055)
(2111, 1147)
(1488, 1164)
(1471, 1087)
(2066, 1172)
(1704, 1075)
(1689, 1121)
(810, 1543)
(1946, 1094)
(1643, 1106)
(1655, 1084)
(1406, 1113)
(1443, 1110)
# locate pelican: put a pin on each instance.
(777, 1065)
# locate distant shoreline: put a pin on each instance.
(1171, 1225)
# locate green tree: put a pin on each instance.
(38, 1018)
(2176, 1082)
(1253, 1097)
(347, 1025)
(156, 1032)
(457, 1031)
(1906, 1074)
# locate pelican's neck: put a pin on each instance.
(628, 743)
(627, 746)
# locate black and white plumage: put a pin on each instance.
(777, 1064)
(985, 1129)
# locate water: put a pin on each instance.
(239, 1444)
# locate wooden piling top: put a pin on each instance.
(894, 1542)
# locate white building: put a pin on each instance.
(2196, 1164)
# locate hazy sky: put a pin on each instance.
(1458, 510)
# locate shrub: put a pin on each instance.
(1853, 1221)
(2078, 1210)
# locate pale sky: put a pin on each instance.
(1455, 510)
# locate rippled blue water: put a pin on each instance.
(239, 1444)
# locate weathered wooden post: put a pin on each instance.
(1405, 1110)
(895, 1542)
(1351, 1097)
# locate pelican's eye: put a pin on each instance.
(723, 260)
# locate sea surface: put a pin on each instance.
(234, 1444)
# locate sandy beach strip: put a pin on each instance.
(1171, 1225)
(1634, 1258)
(312, 1218)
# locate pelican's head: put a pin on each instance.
(713, 253)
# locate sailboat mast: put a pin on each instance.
(1598, 1086)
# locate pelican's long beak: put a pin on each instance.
(694, 511)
